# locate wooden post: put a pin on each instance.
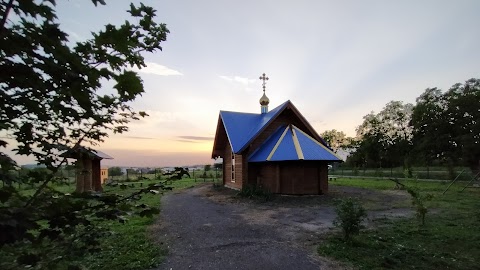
(96, 175)
(79, 175)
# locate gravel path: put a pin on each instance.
(205, 234)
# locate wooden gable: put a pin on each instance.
(221, 140)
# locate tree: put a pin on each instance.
(446, 126)
(336, 139)
(384, 139)
(50, 104)
(463, 114)
(430, 127)
(419, 200)
(115, 171)
(207, 167)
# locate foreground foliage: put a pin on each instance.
(51, 104)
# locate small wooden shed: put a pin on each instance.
(89, 175)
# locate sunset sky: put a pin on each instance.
(335, 60)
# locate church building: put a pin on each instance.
(278, 150)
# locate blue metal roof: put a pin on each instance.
(241, 128)
(290, 143)
(314, 150)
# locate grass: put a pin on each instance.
(129, 246)
(450, 239)
(385, 184)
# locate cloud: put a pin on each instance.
(139, 138)
(195, 138)
(157, 69)
(187, 141)
(242, 80)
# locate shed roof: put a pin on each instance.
(290, 143)
(93, 154)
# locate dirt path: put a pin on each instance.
(208, 229)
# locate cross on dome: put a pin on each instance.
(264, 101)
(264, 78)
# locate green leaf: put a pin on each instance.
(96, 2)
(129, 85)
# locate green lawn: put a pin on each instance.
(441, 173)
(450, 239)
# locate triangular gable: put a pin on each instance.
(221, 139)
(285, 148)
(291, 143)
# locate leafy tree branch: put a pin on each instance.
(51, 105)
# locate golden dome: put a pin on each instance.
(264, 100)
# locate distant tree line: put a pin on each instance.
(442, 128)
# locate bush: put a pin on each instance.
(254, 191)
(350, 214)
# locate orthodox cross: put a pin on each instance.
(264, 78)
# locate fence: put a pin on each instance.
(432, 173)
(195, 174)
(68, 176)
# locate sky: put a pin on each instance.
(335, 60)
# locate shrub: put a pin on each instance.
(350, 214)
(254, 191)
(419, 201)
(407, 173)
